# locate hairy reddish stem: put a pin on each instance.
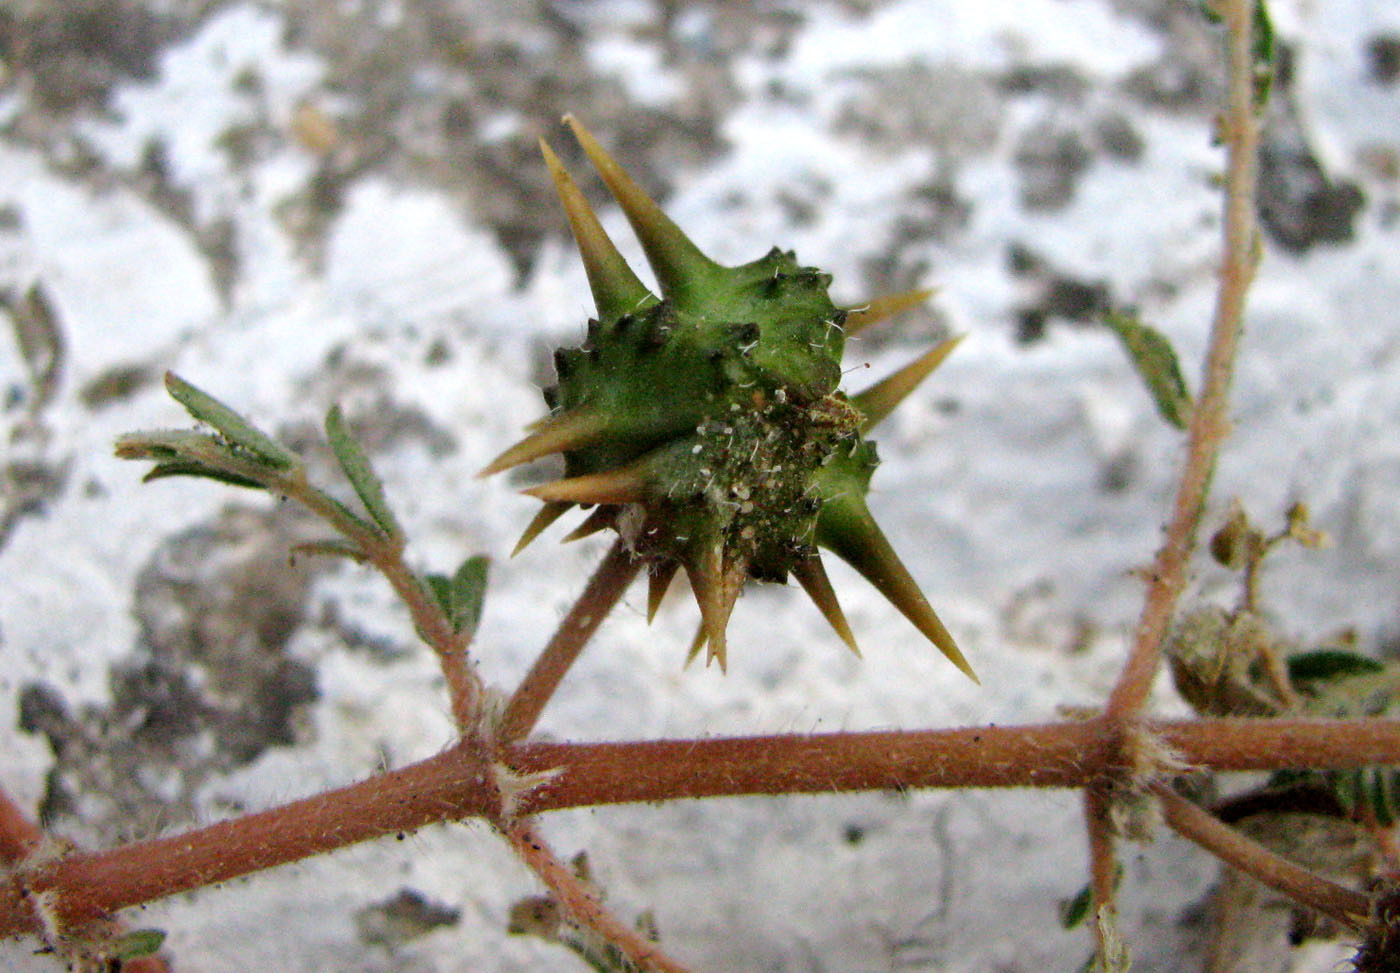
(464, 688)
(581, 903)
(1209, 424)
(451, 785)
(18, 835)
(1342, 904)
(1103, 865)
(458, 784)
(604, 590)
(1062, 755)
(1287, 744)
(385, 554)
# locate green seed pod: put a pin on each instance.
(705, 425)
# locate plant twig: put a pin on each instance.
(1052, 755)
(18, 835)
(262, 462)
(1281, 744)
(464, 688)
(452, 785)
(458, 783)
(1209, 424)
(604, 589)
(1103, 862)
(1342, 904)
(580, 902)
(385, 554)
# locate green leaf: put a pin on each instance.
(468, 594)
(184, 452)
(232, 426)
(1264, 54)
(160, 444)
(462, 596)
(1156, 363)
(1349, 787)
(330, 548)
(440, 587)
(1074, 911)
(1382, 795)
(40, 339)
(361, 475)
(136, 944)
(186, 467)
(1325, 665)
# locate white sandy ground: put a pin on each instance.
(995, 505)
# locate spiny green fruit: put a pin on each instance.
(705, 425)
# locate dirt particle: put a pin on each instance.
(1054, 295)
(1118, 137)
(115, 384)
(1300, 206)
(1050, 161)
(74, 53)
(1383, 56)
(403, 917)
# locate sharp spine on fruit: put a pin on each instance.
(716, 586)
(616, 288)
(811, 574)
(658, 583)
(547, 515)
(877, 310)
(600, 519)
(696, 644)
(678, 263)
(847, 529)
(552, 434)
(878, 401)
(627, 484)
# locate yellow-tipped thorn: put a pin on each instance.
(812, 576)
(624, 485)
(882, 398)
(600, 519)
(553, 434)
(679, 264)
(696, 644)
(547, 515)
(658, 583)
(846, 528)
(616, 289)
(860, 318)
(716, 586)
(713, 653)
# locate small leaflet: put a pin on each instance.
(136, 944)
(1156, 363)
(233, 427)
(469, 593)
(182, 467)
(462, 596)
(361, 475)
(329, 548)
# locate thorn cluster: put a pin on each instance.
(705, 425)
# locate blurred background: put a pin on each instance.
(302, 203)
